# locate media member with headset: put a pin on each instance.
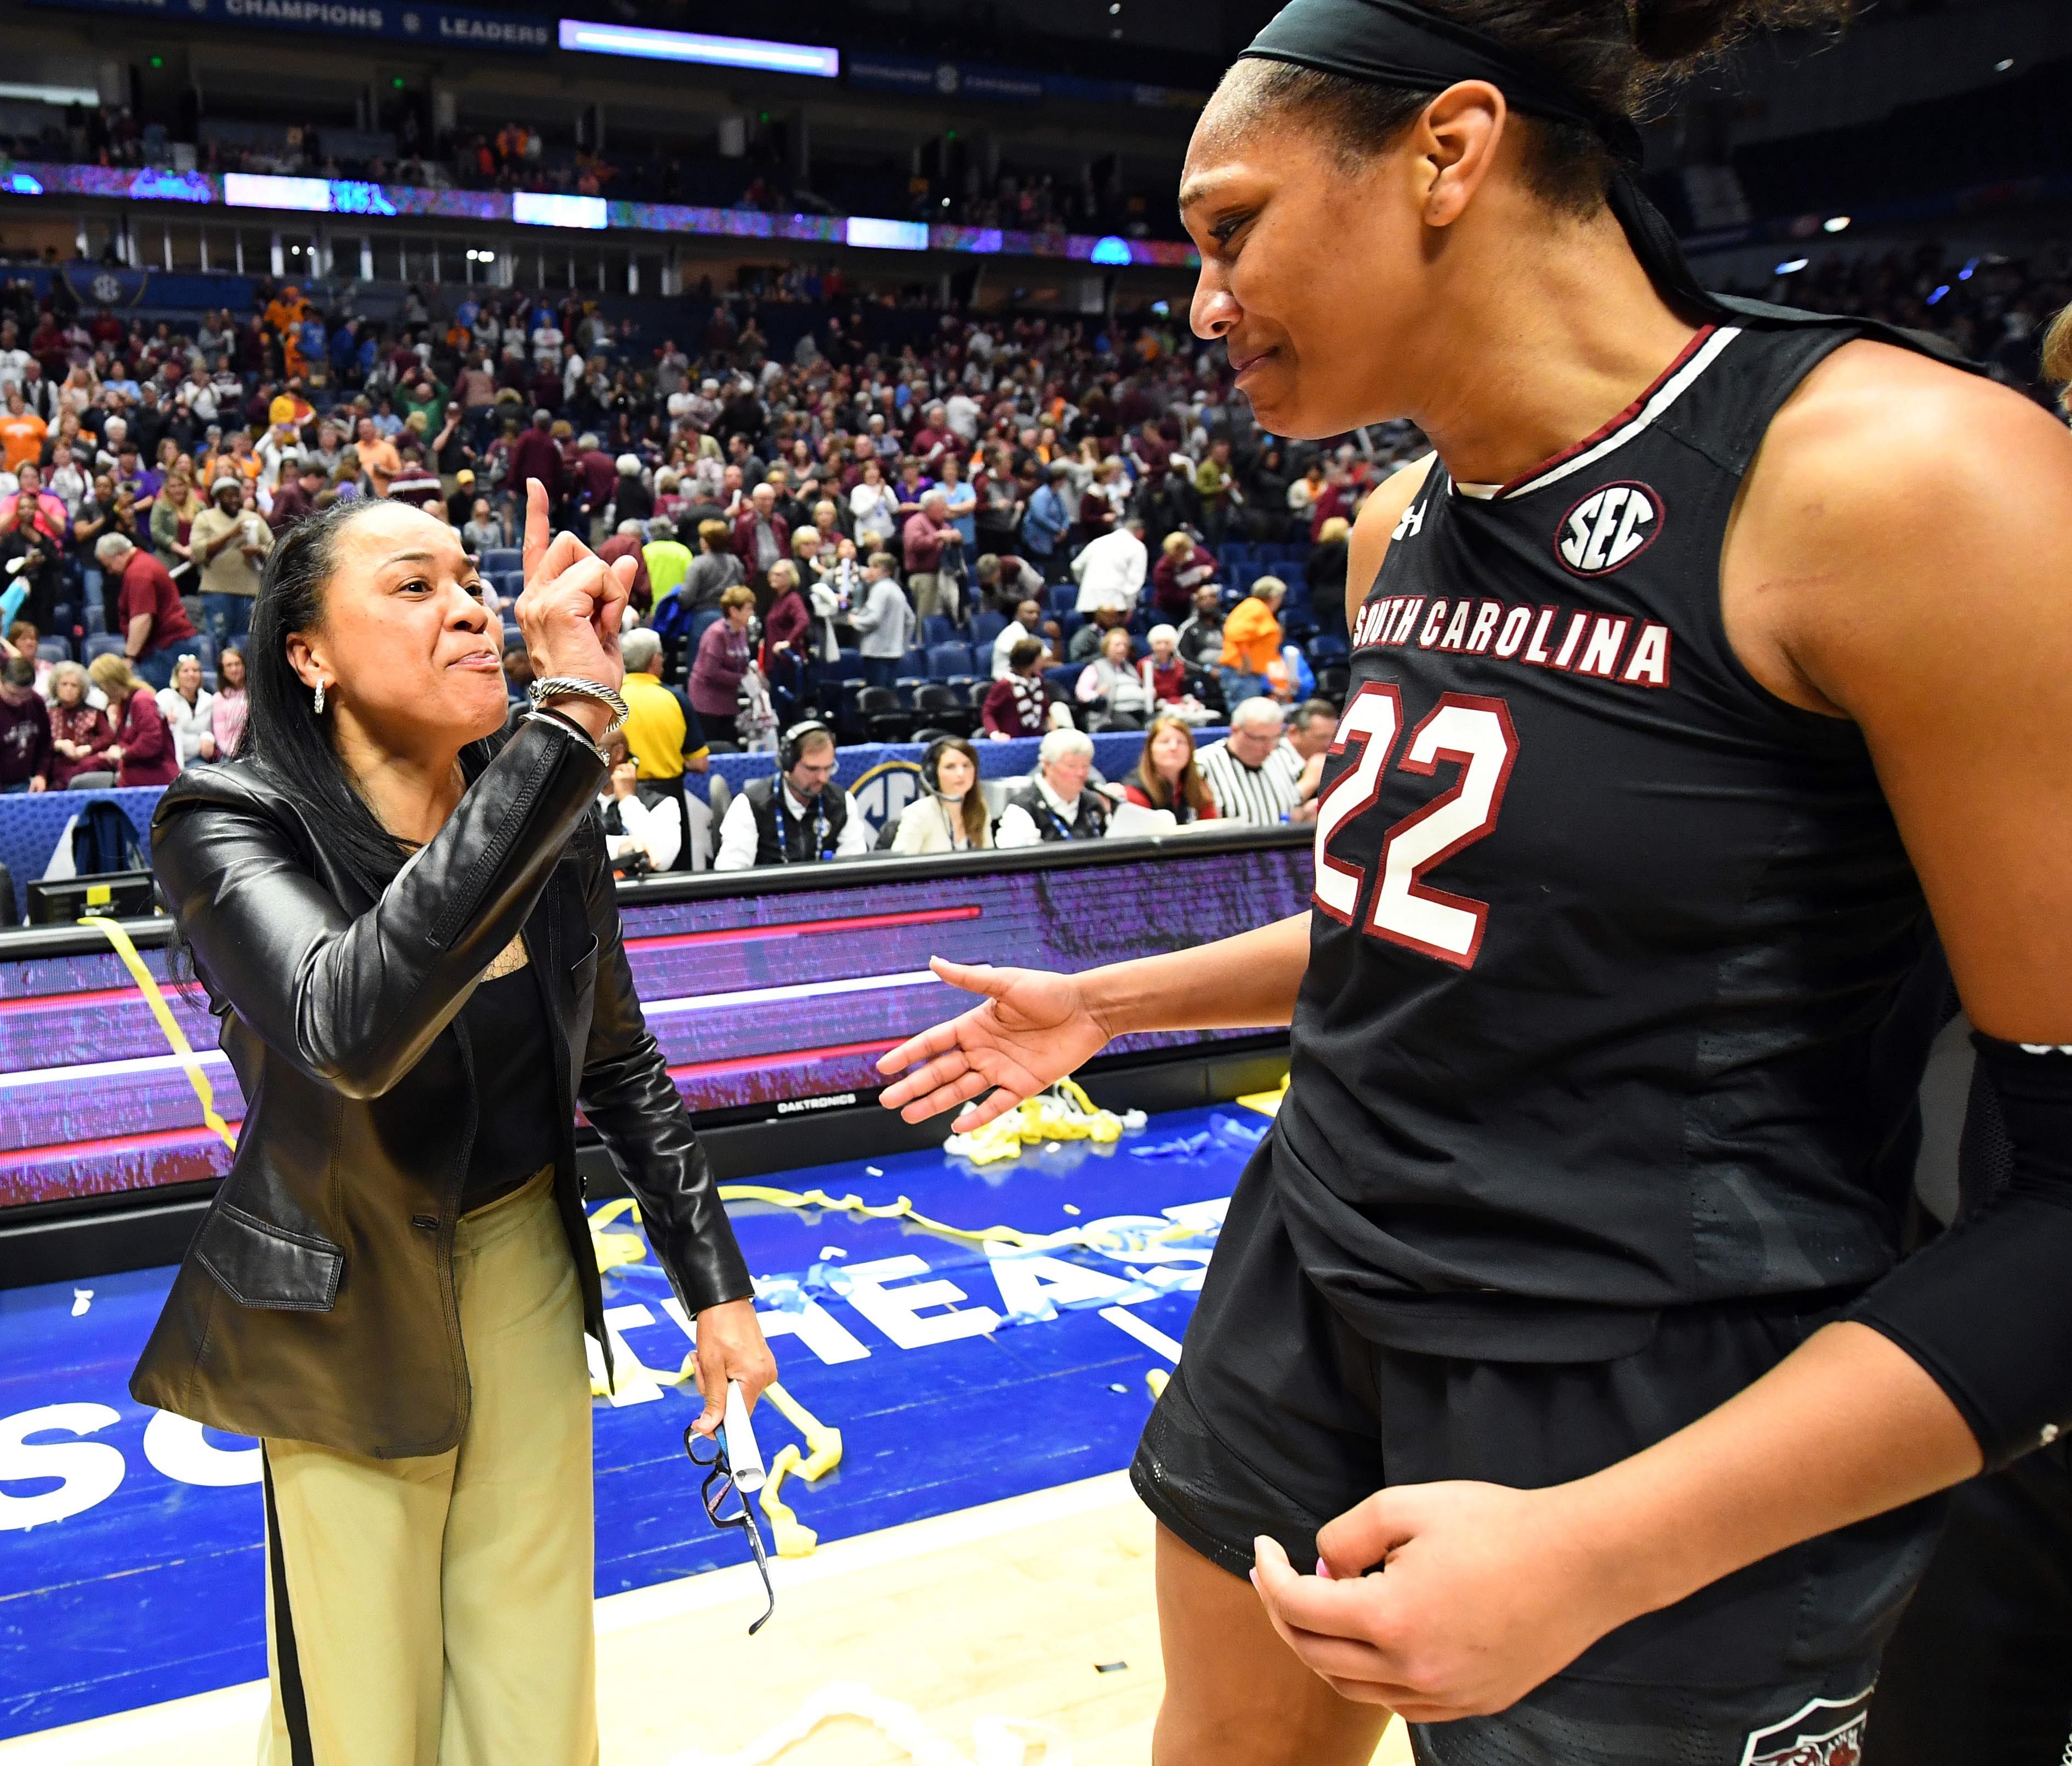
(949, 815)
(1055, 803)
(797, 816)
(405, 924)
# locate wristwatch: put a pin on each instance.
(567, 686)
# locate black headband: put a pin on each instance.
(1396, 43)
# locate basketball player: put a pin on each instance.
(1713, 651)
(1980, 1668)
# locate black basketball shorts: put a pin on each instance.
(1279, 1416)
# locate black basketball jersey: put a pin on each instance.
(1608, 1002)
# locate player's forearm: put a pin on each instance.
(1240, 983)
(1847, 1426)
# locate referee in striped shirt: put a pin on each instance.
(1254, 773)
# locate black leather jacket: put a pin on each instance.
(316, 1301)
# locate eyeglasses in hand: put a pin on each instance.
(719, 1485)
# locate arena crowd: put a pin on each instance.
(958, 527)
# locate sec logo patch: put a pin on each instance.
(1608, 528)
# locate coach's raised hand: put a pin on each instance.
(570, 612)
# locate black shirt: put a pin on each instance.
(1607, 1004)
(516, 1130)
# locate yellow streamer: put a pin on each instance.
(1267, 1103)
(1069, 1116)
(149, 988)
(823, 1453)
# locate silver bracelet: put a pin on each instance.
(568, 727)
(566, 686)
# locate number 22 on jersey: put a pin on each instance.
(1472, 732)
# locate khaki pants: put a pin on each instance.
(437, 1611)
(934, 592)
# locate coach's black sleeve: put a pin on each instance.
(1987, 1308)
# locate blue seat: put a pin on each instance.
(847, 665)
(939, 629)
(906, 686)
(53, 650)
(103, 644)
(497, 558)
(947, 662)
(1327, 647)
(914, 663)
(94, 616)
(1064, 597)
(987, 625)
(510, 584)
(1063, 678)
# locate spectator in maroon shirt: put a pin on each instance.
(761, 534)
(1018, 703)
(596, 481)
(25, 729)
(1182, 568)
(154, 624)
(628, 542)
(296, 497)
(722, 661)
(144, 751)
(928, 530)
(535, 455)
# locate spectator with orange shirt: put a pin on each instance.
(1252, 643)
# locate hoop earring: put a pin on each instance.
(318, 707)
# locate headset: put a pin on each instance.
(931, 763)
(789, 744)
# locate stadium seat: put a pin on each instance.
(940, 705)
(946, 661)
(94, 617)
(53, 650)
(847, 665)
(103, 644)
(986, 627)
(1064, 597)
(883, 719)
(915, 662)
(1327, 647)
(908, 688)
(1063, 678)
(938, 629)
(501, 558)
(1332, 682)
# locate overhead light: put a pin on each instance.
(2002, 66)
(887, 235)
(1938, 293)
(1835, 223)
(50, 95)
(1791, 266)
(540, 208)
(791, 57)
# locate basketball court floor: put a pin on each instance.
(982, 1588)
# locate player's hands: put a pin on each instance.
(1034, 1028)
(573, 602)
(731, 1347)
(1487, 1592)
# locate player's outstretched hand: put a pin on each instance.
(1443, 1601)
(1033, 1028)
